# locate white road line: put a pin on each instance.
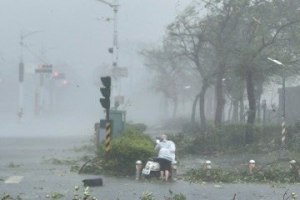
(14, 179)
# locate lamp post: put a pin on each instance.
(283, 155)
(115, 49)
(22, 71)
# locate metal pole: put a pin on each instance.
(283, 132)
(21, 89)
(283, 154)
(21, 82)
(115, 40)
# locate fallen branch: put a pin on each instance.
(234, 197)
(86, 164)
(285, 194)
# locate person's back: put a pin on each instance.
(166, 151)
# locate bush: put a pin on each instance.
(272, 175)
(231, 138)
(131, 146)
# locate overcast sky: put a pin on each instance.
(69, 32)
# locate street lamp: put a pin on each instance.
(22, 71)
(115, 49)
(283, 128)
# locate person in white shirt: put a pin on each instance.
(166, 152)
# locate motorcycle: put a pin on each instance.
(152, 169)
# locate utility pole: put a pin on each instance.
(115, 48)
(283, 153)
(22, 71)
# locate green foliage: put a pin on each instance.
(139, 126)
(147, 196)
(12, 165)
(173, 196)
(131, 146)
(85, 194)
(228, 138)
(9, 197)
(270, 175)
(55, 161)
(55, 195)
(212, 175)
(293, 137)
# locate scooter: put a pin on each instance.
(152, 169)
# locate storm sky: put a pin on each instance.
(71, 29)
(71, 33)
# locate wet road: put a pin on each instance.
(26, 172)
(28, 167)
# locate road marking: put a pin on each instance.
(14, 179)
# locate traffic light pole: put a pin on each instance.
(21, 79)
(22, 71)
(105, 102)
(115, 49)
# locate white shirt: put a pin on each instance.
(166, 149)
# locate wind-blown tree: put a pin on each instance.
(234, 89)
(169, 73)
(233, 40)
(263, 23)
(186, 36)
(221, 23)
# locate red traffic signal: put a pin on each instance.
(65, 82)
(56, 73)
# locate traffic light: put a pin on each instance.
(21, 72)
(111, 50)
(56, 74)
(65, 82)
(105, 102)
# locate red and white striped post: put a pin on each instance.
(283, 132)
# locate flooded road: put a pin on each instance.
(28, 169)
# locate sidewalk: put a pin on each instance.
(232, 162)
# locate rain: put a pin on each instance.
(82, 79)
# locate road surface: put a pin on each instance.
(29, 167)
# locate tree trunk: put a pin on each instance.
(242, 110)
(252, 107)
(166, 105)
(259, 92)
(194, 109)
(229, 112)
(235, 113)
(202, 107)
(219, 95)
(175, 107)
